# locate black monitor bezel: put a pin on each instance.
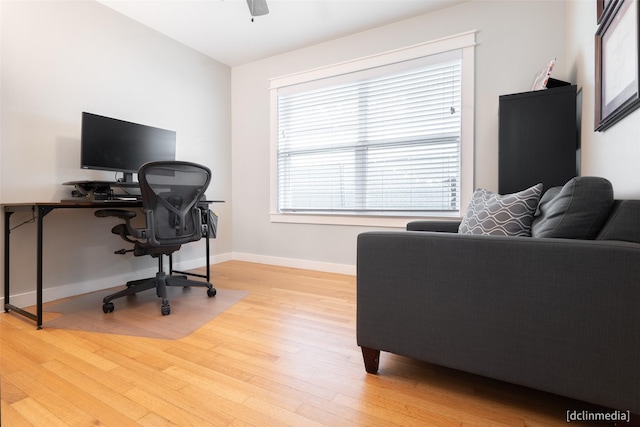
(147, 143)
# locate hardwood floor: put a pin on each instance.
(284, 355)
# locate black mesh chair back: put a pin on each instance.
(172, 198)
(170, 192)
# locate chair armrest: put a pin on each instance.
(126, 216)
(433, 225)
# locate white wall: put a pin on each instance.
(614, 153)
(60, 58)
(515, 40)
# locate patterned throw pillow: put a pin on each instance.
(501, 215)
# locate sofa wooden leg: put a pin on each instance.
(371, 359)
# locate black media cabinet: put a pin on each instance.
(538, 138)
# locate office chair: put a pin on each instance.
(171, 192)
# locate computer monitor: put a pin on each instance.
(116, 145)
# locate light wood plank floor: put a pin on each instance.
(284, 355)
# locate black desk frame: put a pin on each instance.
(40, 210)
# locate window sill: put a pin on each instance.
(356, 220)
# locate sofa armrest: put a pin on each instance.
(558, 315)
(434, 225)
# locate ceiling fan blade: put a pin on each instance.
(258, 7)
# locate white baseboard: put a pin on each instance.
(56, 292)
(201, 261)
(51, 294)
(296, 263)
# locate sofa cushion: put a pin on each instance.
(622, 223)
(577, 210)
(503, 215)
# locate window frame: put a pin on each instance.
(464, 42)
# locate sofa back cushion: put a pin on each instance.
(501, 215)
(622, 223)
(577, 210)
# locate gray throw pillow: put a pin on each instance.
(502, 215)
(577, 210)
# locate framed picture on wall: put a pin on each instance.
(617, 51)
(604, 8)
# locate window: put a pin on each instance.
(381, 136)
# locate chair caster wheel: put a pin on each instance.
(166, 309)
(108, 307)
(211, 292)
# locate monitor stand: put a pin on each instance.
(128, 177)
(92, 191)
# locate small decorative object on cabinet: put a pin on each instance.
(538, 138)
(540, 82)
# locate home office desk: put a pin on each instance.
(40, 210)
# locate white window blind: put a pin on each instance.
(383, 140)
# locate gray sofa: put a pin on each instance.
(558, 314)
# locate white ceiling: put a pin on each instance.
(223, 30)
